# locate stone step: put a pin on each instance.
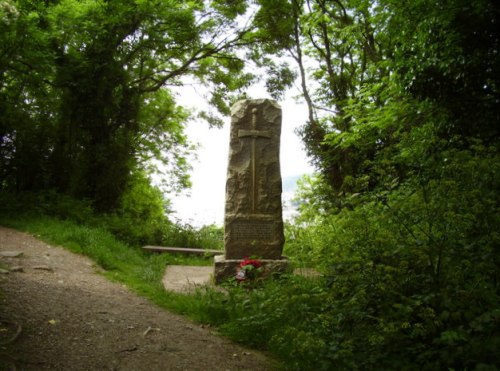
(183, 250)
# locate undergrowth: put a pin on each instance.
(410, 281)
(247, 316)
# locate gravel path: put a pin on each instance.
(72, 318)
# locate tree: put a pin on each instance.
(404, 105)
(371, 72)
(25, 99)
(104, 79)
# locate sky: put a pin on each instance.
(204, 203)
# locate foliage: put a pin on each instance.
(410, 279)
(142, 272)
(403, 112)
(413, 273)
(84, 96)
(370, 72)
(212, 236)
(141, 218)
(374, 309)
(249, 272)
(256, 316)
(140, 221)
(403, 128)
(207, 237)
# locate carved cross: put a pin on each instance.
(254, 134)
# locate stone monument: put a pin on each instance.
(253, 225)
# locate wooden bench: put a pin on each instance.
(183, 250)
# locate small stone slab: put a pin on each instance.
(11, 254)
(185, 278)
(182, 250)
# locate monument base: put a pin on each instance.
(225, 269)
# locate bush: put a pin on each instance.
(141, 218)
(206, 237)
(413, 274)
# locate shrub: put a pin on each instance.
(413, 274)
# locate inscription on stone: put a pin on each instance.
(253, 230)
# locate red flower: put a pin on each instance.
(254, 262)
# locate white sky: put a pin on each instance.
(204, 203)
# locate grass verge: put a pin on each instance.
(140, 271)
(255, 318)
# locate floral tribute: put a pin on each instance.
(249, 269)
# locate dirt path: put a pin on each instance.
(74, 319)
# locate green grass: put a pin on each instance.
(140, 271)
(233, 312)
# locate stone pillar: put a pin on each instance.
(253, 225)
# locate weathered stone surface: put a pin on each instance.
(253, 213)
(184, 278)
(253, 224)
